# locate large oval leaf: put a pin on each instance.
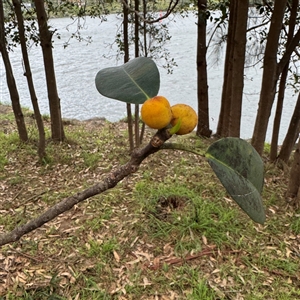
(134, 82)
(241, 171)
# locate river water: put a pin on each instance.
(77, 65)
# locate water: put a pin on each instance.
(77, 65)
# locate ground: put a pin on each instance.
(168, 231)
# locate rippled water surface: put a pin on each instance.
(77, 65)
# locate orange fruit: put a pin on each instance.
(156, 112)
(188, 116)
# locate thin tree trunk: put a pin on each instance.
(11, 83)
(270, 77)
(223, 123)
(282, 84)
(293, 190)
(46, 44)
(37, 114)
(232, 93)
(237, 82)
(126, 59)
(278, 113)
(145, 53)
(202, 85)
(136, 54)
(292, 134)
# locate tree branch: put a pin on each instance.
(170, 9)
(289, 50)
(111, 180)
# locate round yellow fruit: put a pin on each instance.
(156, 112)
(188, 116)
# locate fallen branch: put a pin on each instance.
(111, 180)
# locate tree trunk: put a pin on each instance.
(282, 84)
(37, 114)
(239, 48)
(145, 41)
(232, 94)
(126, 59)
(270, 77)
(293, 190)
(278, 113)
(11, 83)
(136, 54)
(223, 123)
(202, 86)
(292, 134)
(46, 44)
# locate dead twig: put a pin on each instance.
(38, 260)
(180, 260)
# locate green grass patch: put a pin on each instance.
(168, 231)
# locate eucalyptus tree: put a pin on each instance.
(282, 83)
(232, 91)
(293, 129)
(11, 83)
(258, 36)
(46, 34)
(28, 74)
(202, 85)
(19, 32)
(286, 69)
(272, 69)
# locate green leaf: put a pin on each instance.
(241, 171)
(134, 82)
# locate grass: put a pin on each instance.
(168, 231)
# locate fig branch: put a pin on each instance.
(111, 180)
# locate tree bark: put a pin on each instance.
(232, 93)
(292, 134)
(136, 54)
(278, 113)
(28, 74)
(11, 83)
(282, 84)
(111, 180)
(126, 59)
(293, 190)
(239, 48)
(202, 85)
(270, 77)
(57, 130)
(223, 123)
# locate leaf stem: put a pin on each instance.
(177, 146)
